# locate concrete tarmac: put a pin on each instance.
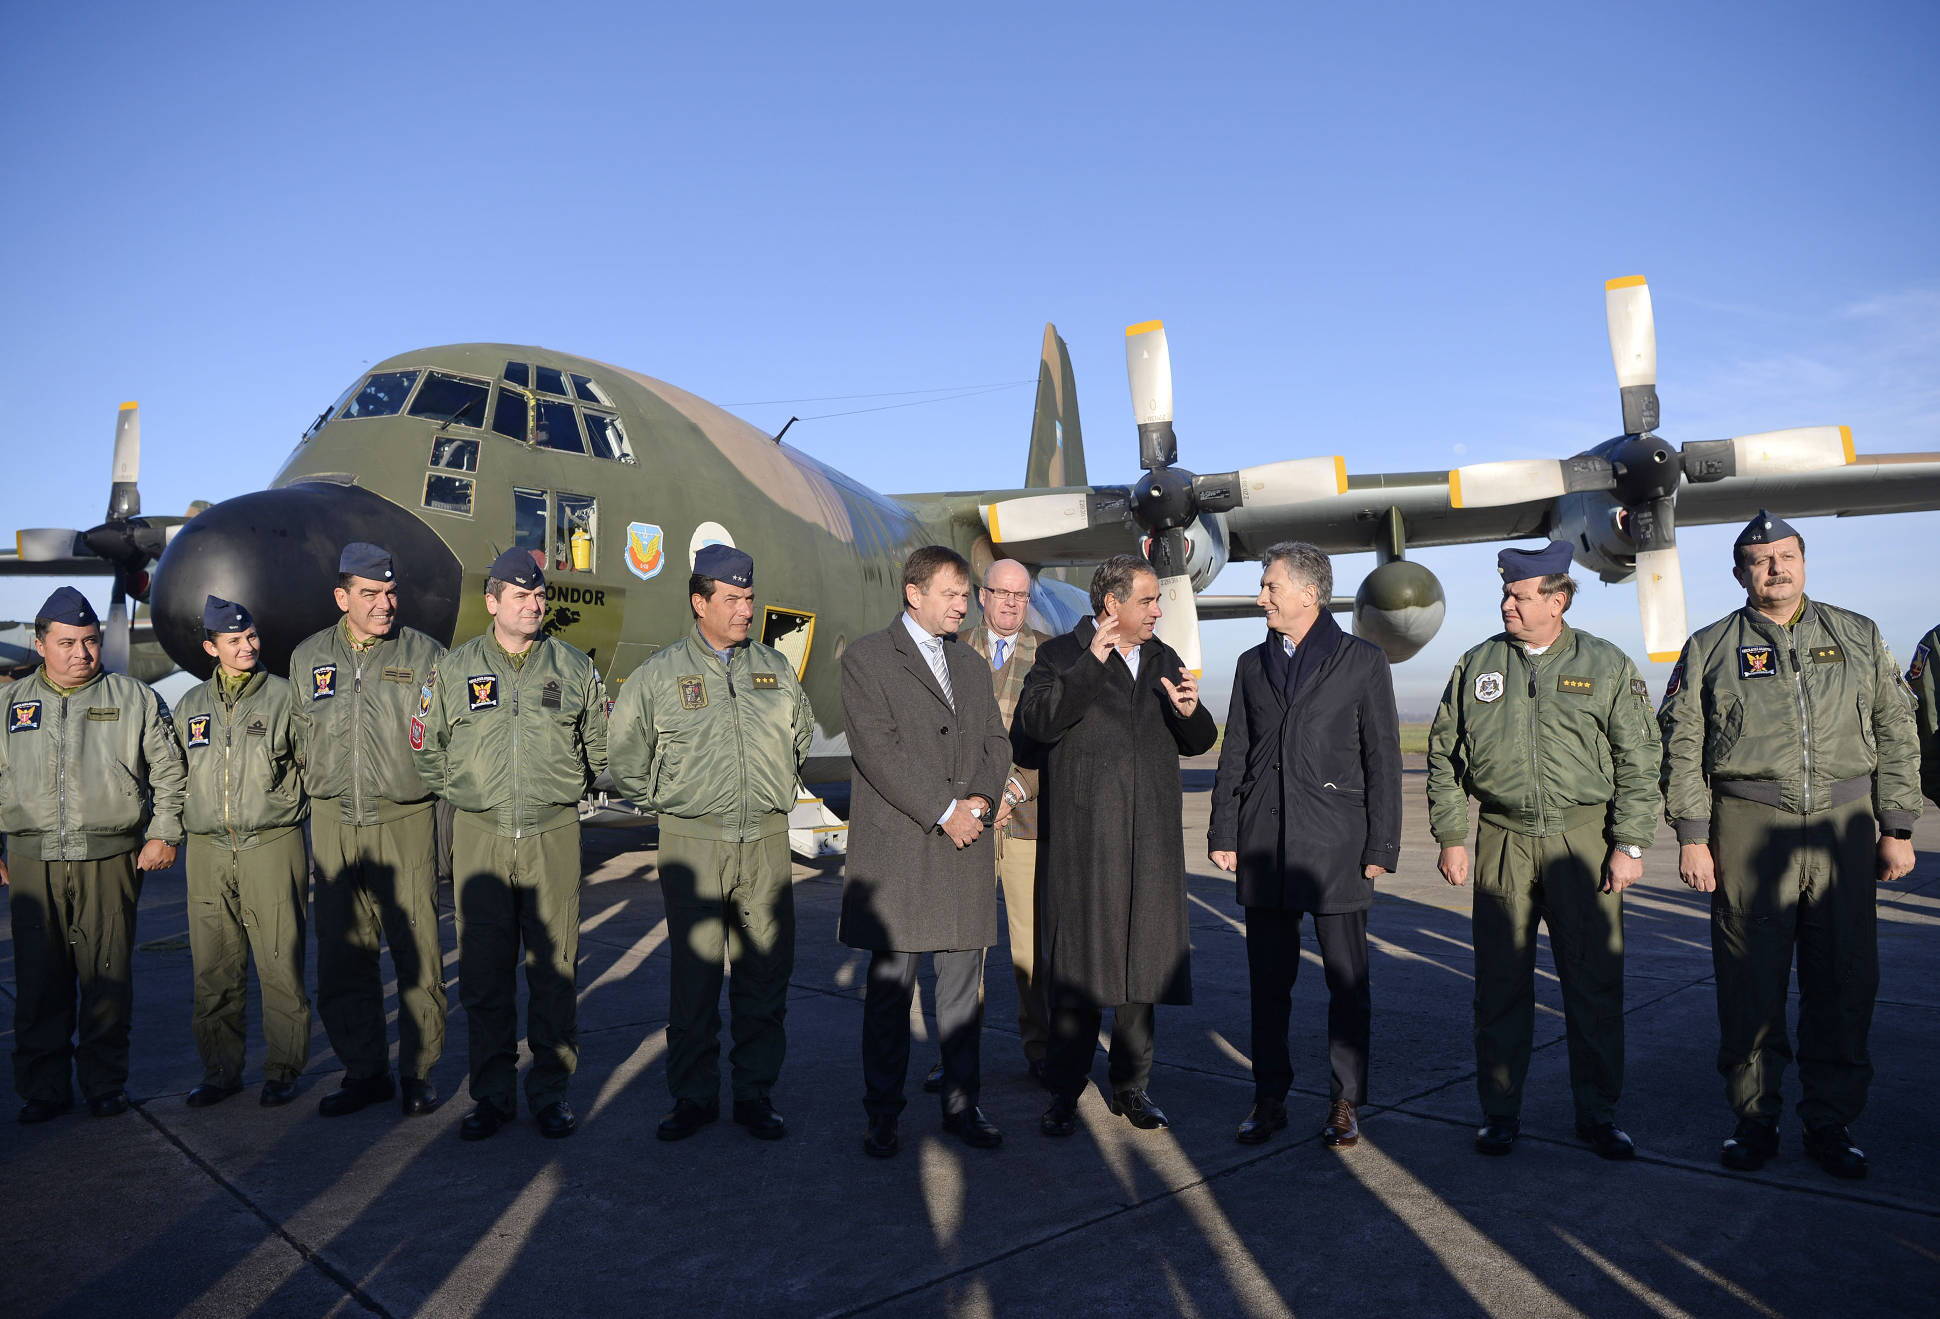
(239, 1210)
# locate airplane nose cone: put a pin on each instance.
(276, 552)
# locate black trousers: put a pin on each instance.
(1273, 963)
(1075, 1018)
(885, 1027)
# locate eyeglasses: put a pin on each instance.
(1015, 597)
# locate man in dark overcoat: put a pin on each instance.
(931, 755)
(1114, 709)
(1306, 810)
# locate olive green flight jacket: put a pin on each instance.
(1803, 718)
(1924, 682)
(1545, 743)
(91, 774)
(356, 708)
(517, 743)
(245, 761)
(716, 750)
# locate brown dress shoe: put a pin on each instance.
(1342, 1130)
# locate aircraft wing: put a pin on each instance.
(12, 565)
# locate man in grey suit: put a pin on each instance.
(931, 756)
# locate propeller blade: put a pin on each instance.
(1526, 480)
(1272, 485)
(1660, 579)
(1178, 625)
(114, 638)
(124, 500)
(44, 544)
(1633, 350)
(1148, 364)
(1788, 452)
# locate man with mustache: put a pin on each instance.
(360, 684)
(1791, 771)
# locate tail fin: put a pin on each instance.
(1057, 441)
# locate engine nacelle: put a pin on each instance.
(1205, 549)
(1399, 608)
(1592, 523)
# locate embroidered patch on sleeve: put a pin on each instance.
(1918, 666)
(1640, 689)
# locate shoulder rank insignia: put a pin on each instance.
(765, 680)
(483, 690)
(23, 716)
(1832, 654)
(198, 730)
(257, 728)
(693, 691)
(1580, 686)
(403, 676)
(323, 682)
(549, 697)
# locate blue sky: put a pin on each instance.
(1374, 230)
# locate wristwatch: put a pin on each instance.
(1631, 850)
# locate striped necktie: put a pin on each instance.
(933, 652)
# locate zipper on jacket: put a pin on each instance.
(1535, 744)
(1805, 715)
(518, 806)
(228, 759)
(740, 744)
(357, 734)
(60, 783)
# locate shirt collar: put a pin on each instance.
(916, 632)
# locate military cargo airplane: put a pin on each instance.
(614, 480)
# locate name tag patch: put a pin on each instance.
(549, 696)
(1757, 662)
(693, 692)
(766, 680)
(198, 730)
(1580, 686)
(1488, 687)
(1828, 655)
(404, 676)
(323, 682)
(23, 716)
(103, 714)
(483, 688)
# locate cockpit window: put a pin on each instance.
(453, 400)
(551, 380)
(323, 417)
(558, 427)
(456, 452)
(588, 392)
(508, 413)
(518, 373)
(609, 441)
(383, 395)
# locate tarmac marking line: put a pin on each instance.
(315, 1260)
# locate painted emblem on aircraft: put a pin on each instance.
(646, 549)
(1488, 687)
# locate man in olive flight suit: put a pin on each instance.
(248, 869)
(1924, 682)
(711, 733)
(1791, 771)
(373, 832)
(512, 732)
(1549, 729)
(91, 782)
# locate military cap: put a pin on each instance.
(1763, 529)
(1516, 564)
(363, 559)
(220, 615)
(724, 563)
(517, 567)
(69, 606)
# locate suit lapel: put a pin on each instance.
(913, 659)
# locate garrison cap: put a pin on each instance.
(517, 567)
(1516, 564)
(724, 563)
(363, 559)
(1763, 529)
(69, 606)
(220, 615)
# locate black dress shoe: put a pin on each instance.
(1608, 1140)
(208, 1095)
(977, 1131)
(276, 1093)
(112, 1104)
(881, 1141)
(1137, 1108)
(356, 1093)
(483, 1121)
(1061, 1118)
(39, 1110)
(1832, 1149)
(933, 1081)
(689, 1116)
(1267, 1117)
(760, 1118)
(1498, 1135)
(416, 1098)
(1751, 1146)
(557, 1120)
(1343, 1129)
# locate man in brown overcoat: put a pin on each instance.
(931, 756)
